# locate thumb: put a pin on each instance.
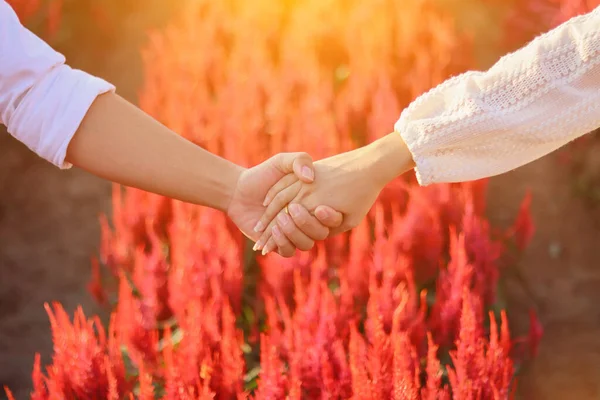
(301, 164)
(329, 217)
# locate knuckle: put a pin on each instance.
(276, 159)
(351, 224)
(337, 222)
(279, 239)
(287, 251)
(344, 227)
(279, 200)
(291, 178)
(271, 193)
(303, 155)
(288, 229)
(315, 230)
(305, 246)
(322, 234)
(275, 238)
(268, 234)
(301, 219)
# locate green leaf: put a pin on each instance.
(430, 298)
(134, 290)
(246, 348)
(176, 338)
(168, 323)
(252, 374)
(159, 390)
(130, 370)
(248, 315)
(251, 379)
(334, 285)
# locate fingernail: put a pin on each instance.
(266, 202)
(294, 209)
(266, 250)
(257, 245)
(259, 227)
(275, 231)
(283, 219)
(308, 173)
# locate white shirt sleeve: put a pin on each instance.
(530, 103)
(42, 100)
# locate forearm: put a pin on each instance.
(530, 103)
(119, 142)
(385, 159)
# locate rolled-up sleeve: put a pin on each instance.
(42, 100)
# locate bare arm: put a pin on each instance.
(119, 142)
(67, 116)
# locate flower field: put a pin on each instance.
(405, 306)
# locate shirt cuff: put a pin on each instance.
(52, 110)
(412, 137)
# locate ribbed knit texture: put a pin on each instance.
(530, 103)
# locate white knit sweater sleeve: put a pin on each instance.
(530, 103)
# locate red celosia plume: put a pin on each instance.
(395, 309)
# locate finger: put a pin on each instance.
(307, 223)
(329, 217)
(300, 164)
(345, 226)
(285, 247)
(284, 182)
(265, 237)
(270, 246)
(280, 201)
(292, 233)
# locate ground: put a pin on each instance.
(49, 229)
(49, 223)
(562, 268)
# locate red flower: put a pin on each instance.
(8, 393)
(406, 378)
(523, 228)
(348, 319)
(536, 331)
(85, 364)
(25, 8)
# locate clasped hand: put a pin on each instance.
(287, 202)
(342, 193)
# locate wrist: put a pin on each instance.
(388, 158)
(228, 182)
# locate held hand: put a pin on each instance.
(349, 182)
(246, 206)
(341, 185)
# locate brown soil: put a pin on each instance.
(49, 220)
(49, 229)
(561, 268)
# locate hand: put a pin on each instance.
(343, 187)
(349, 183)
(246, 205)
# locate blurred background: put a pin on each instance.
(49, 218)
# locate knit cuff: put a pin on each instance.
(412, 138)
